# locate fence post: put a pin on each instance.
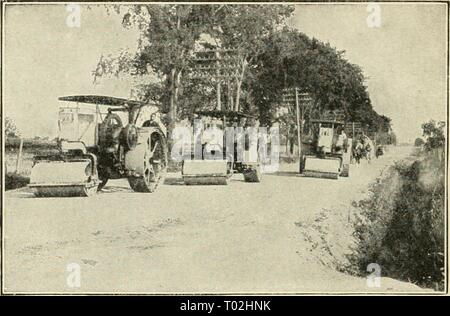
(19, 156)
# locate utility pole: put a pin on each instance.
(219, 105)
(19, 156)
(299, 127)
(215, 66)
(292, 97)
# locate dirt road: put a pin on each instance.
(243, 237)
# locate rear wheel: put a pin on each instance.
(143, 184)
(154, 165)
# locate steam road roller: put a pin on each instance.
(326, 150)
(220, 157)
(94, 145)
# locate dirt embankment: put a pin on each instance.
(397, 222)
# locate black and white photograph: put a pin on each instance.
(224, 148)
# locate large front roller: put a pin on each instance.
(322, 168)
(205, 172)
(69, 190)
(59, 178)
(147, 162)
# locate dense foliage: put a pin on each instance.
(292, 59)
(10, 128)
(170, 35)
(402, 228)
(418, 142)
(434, 135)
(270, 57)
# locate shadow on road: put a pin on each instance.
(114, 189)
(284, 174)
(173, 181)
(179, 181)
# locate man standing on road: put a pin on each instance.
(341, 142)
(292, 139)
(358, 151)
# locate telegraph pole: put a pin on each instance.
(299, 129)
(215, 65)
(219, 106)
(294, 99)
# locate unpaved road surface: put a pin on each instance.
(240, 238)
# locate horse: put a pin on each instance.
(357, 153)
(367, 152)
(363, 150)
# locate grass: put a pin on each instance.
(401, 225)
(19, 178)
(15, 181)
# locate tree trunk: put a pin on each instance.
(173, 105)
(230, 103)
(175, 76)
(238, 95)
(174, 85)
(176, 90)
(239, 84)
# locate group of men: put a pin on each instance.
(363, 149)
(362, 146)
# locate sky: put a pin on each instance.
(404, 59)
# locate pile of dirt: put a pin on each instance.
(330, 237)
(397, 223)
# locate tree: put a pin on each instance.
(170, 33)
(292, 59)
(434, 134)
(269, 57)
(168, 37)
(245, 28)
(10, 128)
(419, 142)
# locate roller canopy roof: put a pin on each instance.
(102, 100)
